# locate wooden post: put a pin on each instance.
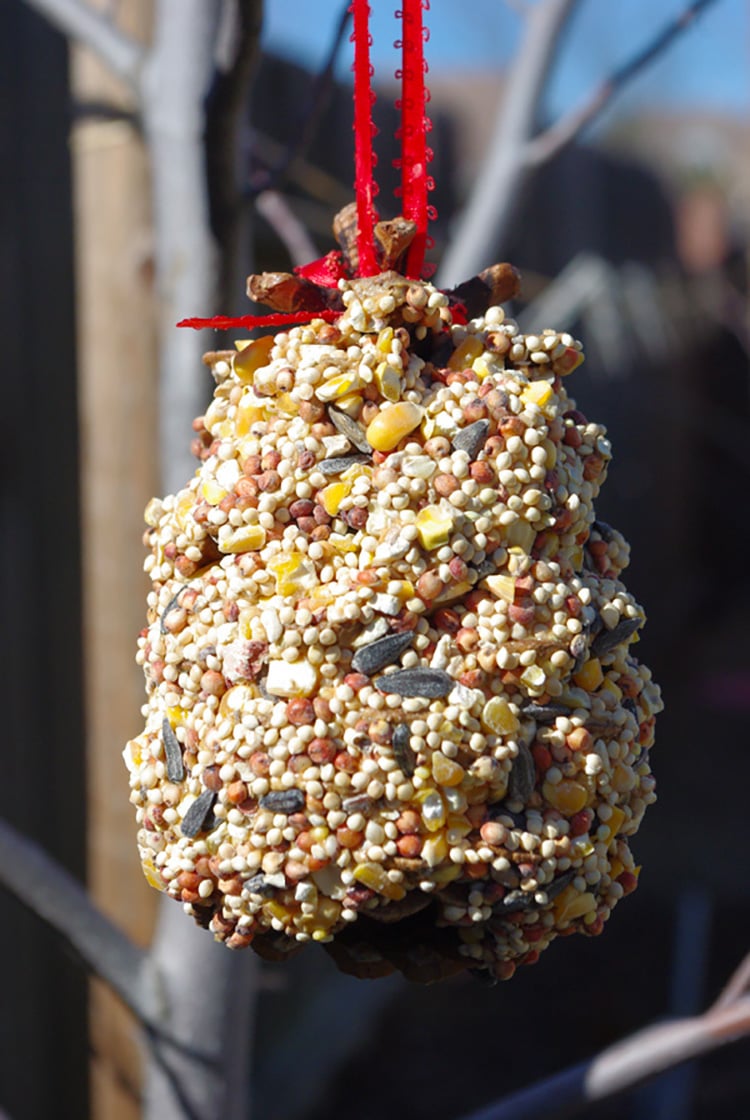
(117, 392)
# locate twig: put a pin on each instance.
(237, 40)
(284, 222)
(624, 1066)
(95, 29)
(307, 128)
(550, 142)
(56, 897)
(737, 985)
(483, 226)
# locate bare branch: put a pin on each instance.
(320, 95)
(95, 30)
(548, 143)
(282, 219)
(737, 985)
(624, 1066)
(236, 46)
(483, 226)
(55, 896)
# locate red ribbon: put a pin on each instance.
(415, 155)
(364, 159)
(249, 322)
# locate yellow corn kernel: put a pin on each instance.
(132, 754)
(153, 878)
(568, 361)
(388, 382)
(251, 357)
(445, 771)
(522, 534)
(235, 700)
(551, 460)
(434, 526)
(357, 470)
(293, 573)
(623, 779)
(333, 495)
(250, 410)
(433, 808)
(576, 559)
(534, 676)
(447, 873)
(539, 393)
(616, 868)
(481, 369)
(504, 587)
(435, 850)
(550, 545)
(615, 689)
(286, 403)
(456, 827)
(174, 715)
(568, 797)
(572, 904)
(246, 538)
(464, 355)
(385, 338)
(153, 512)
(341, 385)
(183, 507)
(590, 675)
(276, 910)
(351, 404)
(581, 847)
(614, 824)
(392, 423)
(497, 717)
(212, 492)
(374, 876)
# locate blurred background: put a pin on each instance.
(635, 238)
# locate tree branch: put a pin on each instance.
(631, 1062)
(320, 95)
(95, 30)
(55, 896)
(552, 141)
(284, 222)
(484, 224)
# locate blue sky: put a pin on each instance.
(709, 65)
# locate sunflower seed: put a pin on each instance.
(500, 810)
(197, 815)
(341, 463)
(578, 650)
(360, 803)
(173, 751)
(605, 531)
(431, 683)
(402, 751)
(472, 438)
(606, 640)
(283, 801)
(173, 602)
(558, 885)
(544, 713)
(258, 885)
(351, 429)
(517, 900)
(382, 652)
(522, 775)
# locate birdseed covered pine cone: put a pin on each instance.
(393, 704)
